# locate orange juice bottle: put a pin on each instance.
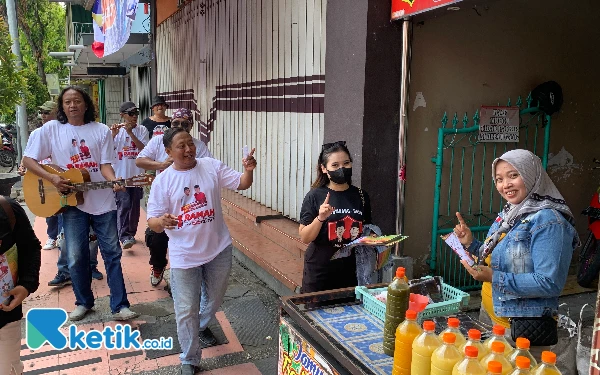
(422, 349)
(494, 368)
(405, 335)
(547, 366)
(446, 356)
(470, 364)
(522, 350)
(497, 354)
(498, 335)
(475, 340)
(523, 365)
(395, 309)
(453, 325)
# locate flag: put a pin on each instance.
(112, 25)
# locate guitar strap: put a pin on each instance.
(9, 212)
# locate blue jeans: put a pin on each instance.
(54, 224)
(128, 212)
(77, 229)
(63, 259)
(193, 313)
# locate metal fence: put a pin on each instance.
(464, 182)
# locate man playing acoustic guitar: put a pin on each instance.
(75, 121)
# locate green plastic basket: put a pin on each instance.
(453, 300)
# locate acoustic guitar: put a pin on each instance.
(44, 199)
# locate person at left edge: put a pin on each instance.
(130, 139)
(75, 122)
(21, 244)
(47, 113)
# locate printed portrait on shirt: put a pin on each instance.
(85, 150)
(194, 208)
(187, 197)
(81, 157)
(129, 150)
(159, 129)
(344, 231)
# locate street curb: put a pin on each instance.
(275, 285)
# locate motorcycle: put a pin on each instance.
(589, 257)
(8, 154)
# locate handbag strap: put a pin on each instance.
(9, 212)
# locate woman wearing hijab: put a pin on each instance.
(524, 261)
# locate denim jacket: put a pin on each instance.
(530, 264)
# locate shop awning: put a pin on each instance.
(406, 8)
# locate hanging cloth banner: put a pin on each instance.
(112, 25)
(405, 8)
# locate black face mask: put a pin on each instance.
(340, 175)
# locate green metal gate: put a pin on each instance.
(463, 182)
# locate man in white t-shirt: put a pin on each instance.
(199, 241)
(59, 139)
(154, 157)
(129, 138)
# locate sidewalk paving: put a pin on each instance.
(248, 318)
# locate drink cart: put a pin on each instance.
(338, 332)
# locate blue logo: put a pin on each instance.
(44, 325)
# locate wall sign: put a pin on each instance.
(499, 124)
(405, 8)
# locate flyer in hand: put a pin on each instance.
(8, 271)
(378, 242)
(454, 243)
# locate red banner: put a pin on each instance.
(405, 8)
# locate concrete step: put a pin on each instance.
(265, 221)
(268, 243)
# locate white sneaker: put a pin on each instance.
(79, 312)
(50, 244)
(125, 314)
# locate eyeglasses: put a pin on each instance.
(183, 124)
(327, 146)
(44, 112)
(133, 113)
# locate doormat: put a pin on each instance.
(169, 329)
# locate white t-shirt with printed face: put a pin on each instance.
(86, 146)
(127, 152)
(155, 150)
(34, 134)
(194, 197)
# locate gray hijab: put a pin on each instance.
(541, 194)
